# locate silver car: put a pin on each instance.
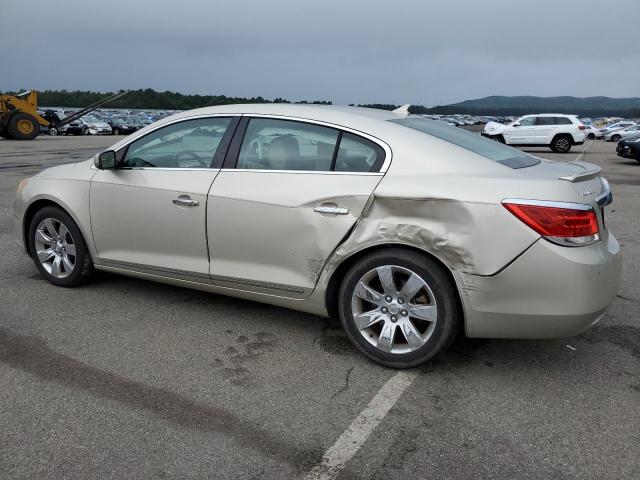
(407, 229)
(623, 134)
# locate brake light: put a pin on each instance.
(581, 127)
(573, 225)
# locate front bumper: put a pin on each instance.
(549, 291)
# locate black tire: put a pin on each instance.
(116, 131)
(4, 134)
(591, 136)
(615, 138)
(444, 291)
(85, 131)
(497, 138)
(53, 131)
(23, 126)
(561, 144)
(83, 267)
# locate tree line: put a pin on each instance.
(150, 99)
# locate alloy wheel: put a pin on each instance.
(563, 145)
(55, 248)
(394, 309)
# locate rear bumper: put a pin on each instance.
(548, 292)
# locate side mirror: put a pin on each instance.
(106, 160)
(515, 125)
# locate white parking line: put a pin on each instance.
(587, 146)
(354, 437)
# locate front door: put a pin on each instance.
(294, 191)
(150, 213)
(524, 133)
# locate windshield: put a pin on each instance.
(90, 119)
(490, 149)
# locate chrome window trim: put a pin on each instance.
(303, 172)
(380, 143)
(548, 203)
(359, 133)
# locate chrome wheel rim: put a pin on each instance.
(55, 248)
(394, 309)
(562, 145)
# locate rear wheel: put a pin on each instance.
(53, 131)
(399, 308)
(615, 138)
(561, 144)
(58, 248)
(591, 136)
(23, 126)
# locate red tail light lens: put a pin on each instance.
(566, 226)
(581, 127)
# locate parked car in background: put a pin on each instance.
(554, 130)
(629, 148)
(618, 135)
(616, 126)
(592, 132)
(73, 128)
(307, 208)
(93, 126)
(124, 125)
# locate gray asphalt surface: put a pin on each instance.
(125, 378)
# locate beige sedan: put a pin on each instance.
(408, 230)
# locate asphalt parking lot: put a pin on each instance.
(125, 378)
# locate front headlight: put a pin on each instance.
(23, 184)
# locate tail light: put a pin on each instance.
(581, 127)
(568, 224)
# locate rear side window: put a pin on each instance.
(563, 121)
(272, 144)
(276, 144)
(546, 121)
(495, 151)
(357, 154)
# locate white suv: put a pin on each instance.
(554, 130)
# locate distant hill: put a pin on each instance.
(500, 105)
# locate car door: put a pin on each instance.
(289, 193)
(523, 133)
(149, 214)
(543, 129)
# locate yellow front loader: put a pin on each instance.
(20, 120)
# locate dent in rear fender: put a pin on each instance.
(478, 238)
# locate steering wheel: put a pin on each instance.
(191, 156)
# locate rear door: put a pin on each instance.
(289, 193)
(544, 129)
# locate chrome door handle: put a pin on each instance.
(185, 201)
(334, 210)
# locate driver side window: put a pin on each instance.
(188, 144)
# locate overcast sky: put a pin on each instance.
(348, 51)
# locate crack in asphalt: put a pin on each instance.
(345, 386)
(31, 354)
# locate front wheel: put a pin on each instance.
(591, 136)
(58, 248)
(399, 308)
(615, 138)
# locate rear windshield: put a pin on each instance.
(490, 149)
